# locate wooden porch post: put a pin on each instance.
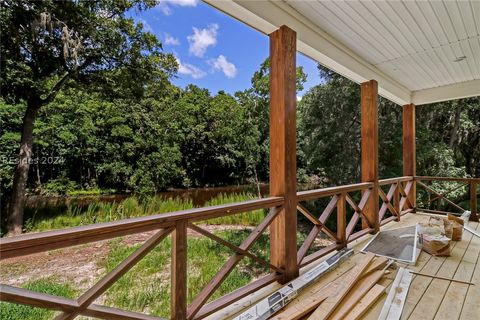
(283, 164)
(473, 201)
(369, 145)
(409, 153)
(178, 298)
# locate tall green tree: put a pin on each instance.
(54, 43)
(329, 123)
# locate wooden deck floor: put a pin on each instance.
(430, 298)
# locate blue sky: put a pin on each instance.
(214, 50)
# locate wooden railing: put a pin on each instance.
(396, 198)
(454, 184)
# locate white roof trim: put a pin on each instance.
(312, 42)
(445, 93)
(266, 16)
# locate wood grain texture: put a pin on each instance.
(342, 220)
(283, 162)
(408, 144)
(328, 306)
(56, 239)
(178, 301)
(358, 291)
(369, 146)
(101, 286)
(365, 302)
(473, 201)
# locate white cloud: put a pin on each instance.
(171, 41)
(201, 39)
(299, 98)
(191, 70)
(228, 68)
(165, 5)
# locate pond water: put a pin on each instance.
(198, 196)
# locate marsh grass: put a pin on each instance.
(75, 215)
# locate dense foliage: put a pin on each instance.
(86, 125)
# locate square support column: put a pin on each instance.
(409, 149)
(369, 145)
(283, 163)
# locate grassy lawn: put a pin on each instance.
(146, 288)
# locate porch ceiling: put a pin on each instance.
(410, 47)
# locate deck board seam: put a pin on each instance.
(450, 282)
(471, 277)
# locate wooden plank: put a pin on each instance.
(232, 247)
(356, 293)
(327, 307)
(471, 307)
(430, 178)
(409, 148)
(217, 280)
(396, 201)
(432, 297)
(316, 221)
(369, 148)
(56, 239)
(317, 292)
(36, 299)
(453, 300)
(342, 220)
(421, 283)
(101, 286)
(331, 191)
(473, 201)
(392, 309)
(442, 278)
(178, 297)
(283, 166)
(365, 303)
(231, 298)
(438, 194)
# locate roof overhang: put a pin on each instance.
(339, 56)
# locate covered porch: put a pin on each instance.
(425, 71)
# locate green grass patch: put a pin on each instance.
(146, 288)
(10, 311)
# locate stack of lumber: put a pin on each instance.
(347, 296)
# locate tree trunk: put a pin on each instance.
(17, 200)
(456, 126)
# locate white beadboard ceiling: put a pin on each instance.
(418, 51)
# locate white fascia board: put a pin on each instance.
(267, 16)
(449, 92)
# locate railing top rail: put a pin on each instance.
(429, 178)
(49, 240)
(393, 180)
(325, 192)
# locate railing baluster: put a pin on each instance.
(396, 201)
(473, 201)
(342, 219)
(179, 271)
